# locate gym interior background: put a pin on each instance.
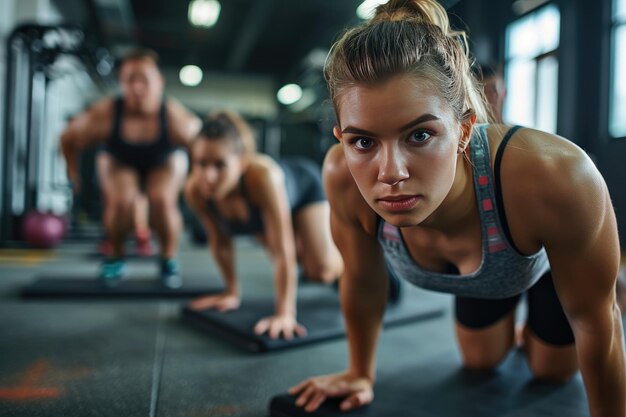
(563, 61)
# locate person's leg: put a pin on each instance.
(119, 186)
(548, 339)
(163, 186)
(104, 162)
(140, 216)
(318, 254)
(315, 250)
(142, 226)
(103, 167)
(485, 330)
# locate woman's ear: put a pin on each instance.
(337, 133)
(467, 126)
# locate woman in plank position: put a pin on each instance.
(234, 190)
(421, 185)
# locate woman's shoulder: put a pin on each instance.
(535, 143)
(346, 202)
(95, 123)
(104, 107)
(183, 124)
(546, 180)
(262, 166)
(537, 156)
(335, 170)
(262, 175)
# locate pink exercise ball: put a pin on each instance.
(42, 230)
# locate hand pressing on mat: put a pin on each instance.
(283, 324)
(219, 302)
(314, 391)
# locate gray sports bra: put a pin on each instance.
(503, 272)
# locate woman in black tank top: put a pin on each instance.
(234, 190)
(138, 133)
(142, 156)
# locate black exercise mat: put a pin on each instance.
(130, 255)
(63, 287)
(318, 311)
(440, 388)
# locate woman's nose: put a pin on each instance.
(210, 175)
(392, 168)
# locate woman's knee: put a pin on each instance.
(552, 372)
(485, 330)
(550, 363)
(162, 201)
(477, 359)
(120, 204)
(320, 272)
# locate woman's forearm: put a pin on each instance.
(286, 285)
(601, 355)
(223, 253)
(363, 306)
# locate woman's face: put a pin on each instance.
(401, 144)
(142, 84)
(217, 167)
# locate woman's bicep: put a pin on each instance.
(583, 249)
(276, 213)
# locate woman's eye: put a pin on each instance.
(363, 143)
(420, 136)
(220, 164)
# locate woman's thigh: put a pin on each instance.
(485, 330)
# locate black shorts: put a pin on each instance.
(142, 166)
(303, 181)
(546, 318)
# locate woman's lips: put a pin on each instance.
(399, 203)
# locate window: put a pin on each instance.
(617, 106)
(531, 69)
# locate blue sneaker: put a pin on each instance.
(170, 274)
(112, 271)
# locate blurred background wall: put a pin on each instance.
(562, 62)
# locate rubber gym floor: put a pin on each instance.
(137, 357)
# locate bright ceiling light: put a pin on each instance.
(204, 12)
(289, 94)
(190, 75)
(308, 98)
(366, 9)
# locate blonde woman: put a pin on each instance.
(420, 185)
